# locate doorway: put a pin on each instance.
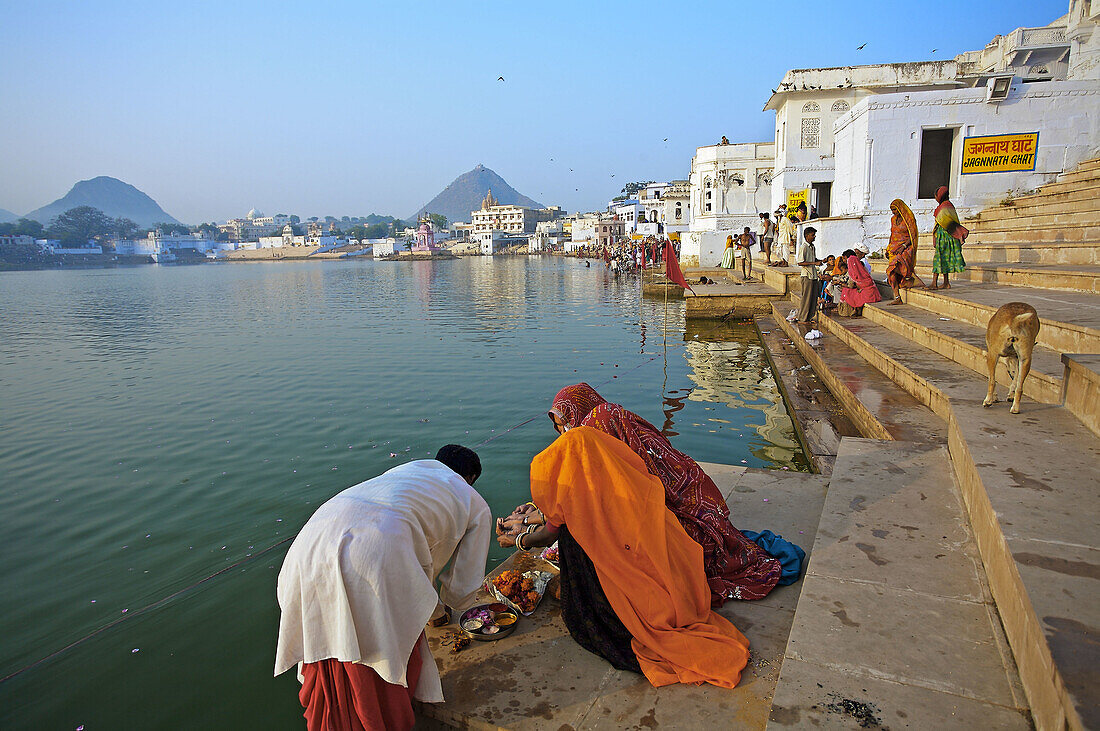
(822, 195)
(935, 161)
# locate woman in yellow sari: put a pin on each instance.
(610, 516)
(728, 256)
(902, 250)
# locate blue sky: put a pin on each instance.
(348, 108)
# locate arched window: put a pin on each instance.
(706, 195)
(679, 211)
(810, 107)
(840, 106)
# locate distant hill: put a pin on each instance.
(466, 192)
(110, 195)
(7, 216)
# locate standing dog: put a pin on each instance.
(1011, 333)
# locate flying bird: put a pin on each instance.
(934, 50)
(858, 48)
(500, 78)
(665, 140)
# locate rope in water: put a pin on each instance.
(247, 559)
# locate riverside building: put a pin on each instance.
(730, 185)
(988, 124)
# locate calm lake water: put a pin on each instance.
(160, 424)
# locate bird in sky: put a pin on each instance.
(858, 48)
(665, 140)
(500, 78)
(934, 50)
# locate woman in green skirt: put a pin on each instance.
(948, 236)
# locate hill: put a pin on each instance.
(7, 216)
(110, 195)
(466, 192)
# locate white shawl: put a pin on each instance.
(357, 584)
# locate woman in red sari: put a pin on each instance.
(863, 289)
(736, 568)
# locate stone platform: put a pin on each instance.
(539, 678)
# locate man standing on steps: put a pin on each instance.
(807, 259)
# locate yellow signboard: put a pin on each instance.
(795, 197)
(999, 153)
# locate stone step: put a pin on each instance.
(1032, 252)
(1082, 389)
(1092, 164)
(895, 626)
(1083, 193)
(1080, 175)
(1047, 222)
(874, 403)
(1004, 232)
(1029, 485)
(1069, 321)
(965, 344)
(1073, 278)
(1035, 216)
(1084, 201)
(1062, 186)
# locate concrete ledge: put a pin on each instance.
(1081, 390)
(540, 678)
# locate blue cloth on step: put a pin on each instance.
(790, 556)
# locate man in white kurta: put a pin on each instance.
(358, 583)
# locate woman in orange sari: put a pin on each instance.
(622, 549)
(736, 567)
(902, 250)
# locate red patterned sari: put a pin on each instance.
(736, 568)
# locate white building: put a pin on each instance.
(675, 210)
(629, 211)
(855, 138)
(729, 187)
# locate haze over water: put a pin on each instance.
(161, 423)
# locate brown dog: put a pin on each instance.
(1011, 333)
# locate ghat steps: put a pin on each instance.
(1028, 481)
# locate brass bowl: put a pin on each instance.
(480, 634)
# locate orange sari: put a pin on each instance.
(649, 568)
(902, 248)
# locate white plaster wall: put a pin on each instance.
(1063, 112)
(835, 234)
(796, 168)
(702, 248)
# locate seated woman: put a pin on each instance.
(863, 289)
(633, 588)
(736, 568)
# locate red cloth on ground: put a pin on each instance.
(735, 567)
(346, 696)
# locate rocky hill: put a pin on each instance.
(466, 192)
(110, 195)
(7, 216)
